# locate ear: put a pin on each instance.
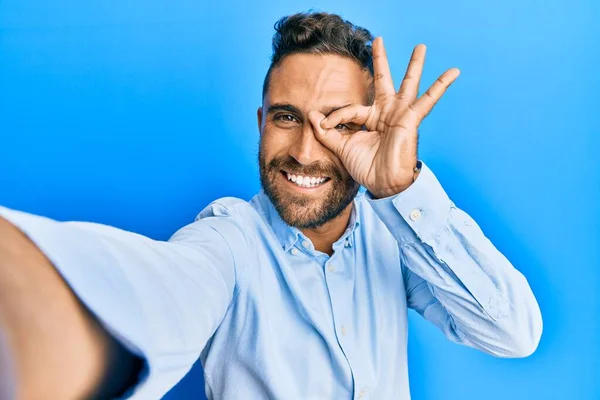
(259, 116)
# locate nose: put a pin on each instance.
(306, 149)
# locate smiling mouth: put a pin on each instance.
(305, 181)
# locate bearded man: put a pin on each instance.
(300, 293)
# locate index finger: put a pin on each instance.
(354, 113)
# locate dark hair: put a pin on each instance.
(320, 33)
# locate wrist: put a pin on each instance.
(397, 190)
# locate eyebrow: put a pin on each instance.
(283, 107)
(293, 109)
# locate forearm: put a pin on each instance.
(7, 380)
(56, 348)
(483, 300)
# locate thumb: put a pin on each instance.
(333, 139)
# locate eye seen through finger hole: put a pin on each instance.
(349, 128)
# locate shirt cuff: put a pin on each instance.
(424, 207)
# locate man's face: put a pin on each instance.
(307, 183)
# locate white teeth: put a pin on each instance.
(305, 181)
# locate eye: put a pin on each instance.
(286, 118)
(341, 127)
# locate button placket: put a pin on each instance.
(339, 286)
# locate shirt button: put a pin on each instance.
(305, 244)
(361, 394)
(295, 251)
(330, 268)
(415, 214)
(344, 331)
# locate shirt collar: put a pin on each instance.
(289, 235)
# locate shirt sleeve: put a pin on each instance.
(161, 300)
(454, 275)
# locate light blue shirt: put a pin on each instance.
(272, 318)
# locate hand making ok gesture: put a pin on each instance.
(383, 157)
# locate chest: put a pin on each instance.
(338, 323)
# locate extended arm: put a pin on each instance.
(81, 302)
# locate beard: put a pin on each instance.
(306, 211)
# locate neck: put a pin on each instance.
(324, 236)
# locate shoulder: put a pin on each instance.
(236, 220)
(226, 207)
(227, 217)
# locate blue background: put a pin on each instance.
(139, 113)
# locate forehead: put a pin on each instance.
(310, 81)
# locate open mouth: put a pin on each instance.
(305, 181)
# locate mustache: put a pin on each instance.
(289, 164)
